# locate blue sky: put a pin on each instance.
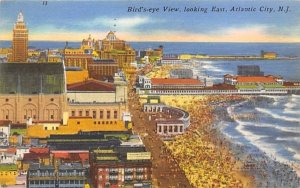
(74, 20)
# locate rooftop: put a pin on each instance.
(91, 85)
(175, 81)
(31, 78)
(264, 79)
(8, 167)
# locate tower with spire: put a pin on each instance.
(20, 40)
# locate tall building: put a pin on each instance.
(20, 41)
(113, 48)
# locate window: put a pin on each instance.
(108, 114)
(6, 100)
(80, 113)
(29, 99)
(101, 114)
(94, 114)
(25, 117)
(73, 113)
(115, 114)
(52, 117)
(87, 113)
(6, 117)
(78, 122)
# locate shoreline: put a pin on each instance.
(201, 151)
(268, 171)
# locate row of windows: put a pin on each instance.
(51, 182)
(8, 173)
(94, 114)
(194, 91)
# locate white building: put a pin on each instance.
(4, 132)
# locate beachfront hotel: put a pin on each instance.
(20, 41)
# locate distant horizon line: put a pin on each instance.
(159, 41)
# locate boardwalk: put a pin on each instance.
(166, 172)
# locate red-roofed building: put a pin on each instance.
(252, 80)
(39, 150)
(71, 156)
(42, 158)
(97, 99)
(92, 85)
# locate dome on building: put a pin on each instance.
(111, 36)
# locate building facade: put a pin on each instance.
(32, 90)
(121, 166)
(8, 174)
(103, 69)
(62, 175)
(20, 41)
(113, 48)
(74, 57)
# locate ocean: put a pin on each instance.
(275, 127)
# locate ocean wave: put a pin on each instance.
(211, 67)
(296, 153)
(277, 116)
(278, 127)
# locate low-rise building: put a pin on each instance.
(76, 74)
(62, 175)
(170, 61)
(174, 122)
(4, 132)
(252, 80)
(125, 165)
(268, 55)
(8, 174)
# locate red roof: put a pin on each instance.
(71, 155)
(175, 81)
(39, 150)
(262, 79)
(11, 150)
(35, 156)
(91, 85)
(5, 122)
(292, 84)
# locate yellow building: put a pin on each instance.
(269, 55)
(73, 125)
(76, 57)
(33, 53)
(20, 41)
(113, 48)
(6, 52)
(74, 75)
(8, 174)
(54, 59)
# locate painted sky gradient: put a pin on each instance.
(74, 20)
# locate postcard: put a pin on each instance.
(98, 93)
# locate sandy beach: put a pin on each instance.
(209, 158)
